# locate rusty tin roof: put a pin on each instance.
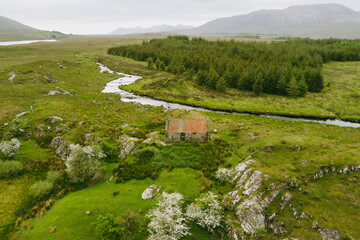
(187, 126)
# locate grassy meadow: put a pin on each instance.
(339, 100)
(282, 149)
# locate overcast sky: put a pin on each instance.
(103, 16)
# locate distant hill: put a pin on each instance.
(153, 29)
(11, 30)
(315, 21)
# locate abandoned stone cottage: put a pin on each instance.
(187, 130)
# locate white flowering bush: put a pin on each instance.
(206, 211)
(167, 219)
(223, 174)
(84, 164)
(8, 149)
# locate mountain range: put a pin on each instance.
(316, 21)
(159, 28)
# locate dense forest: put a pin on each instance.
(290, 67)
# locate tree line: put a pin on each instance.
(290, 67)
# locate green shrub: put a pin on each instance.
(108, 228)
(41, 189)
(10, 168)
(53, 177)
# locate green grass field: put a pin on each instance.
(282, 149)
(339, 99)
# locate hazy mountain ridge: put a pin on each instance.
(11, 30)
(319, 21)
(158, 28)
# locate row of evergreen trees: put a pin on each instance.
(286, 68)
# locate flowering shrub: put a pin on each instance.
(206, 211)
(10, 168)
(83, 163)
(8, 149)
(167, 220)
(223, 174)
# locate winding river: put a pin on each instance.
(126, 96)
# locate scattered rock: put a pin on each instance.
(6, 124)
(315, 225)
(88, 138)
(328, 234)
(304, 216)
(285, 200)
(95, 102)
(125, 126)
(149, 192)
(21, 114)
(215, 131)
(87, 213)
(54, 119)
(278, 228)
(13, 75)
(271, 197)
(50, 80)
(153, 138)
(56, 92)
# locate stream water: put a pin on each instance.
(126, 96)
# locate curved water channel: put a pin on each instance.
(127, 96)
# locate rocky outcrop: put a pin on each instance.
(239, 169)
(243, 178)
(251, 215)
(253, 183)
(150, 192)
(231, 199)
(153, 138)
(63, 148)
(285, 200)
(127, 145)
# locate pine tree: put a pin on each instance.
(150, 63)
(157, 63)
(258, 85)
(162, 66)
(303, 88)
(293, 88)
(200, 78)
(221, 85)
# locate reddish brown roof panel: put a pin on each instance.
(187, 126)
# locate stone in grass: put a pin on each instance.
(87, 213)
(329, 234)
(150, 192)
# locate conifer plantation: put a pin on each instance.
(290, 67)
